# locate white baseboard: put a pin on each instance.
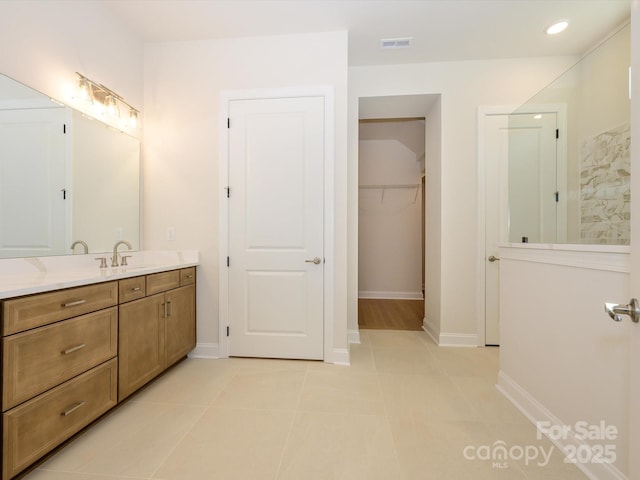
(392, 295)
(205, 350)
(431, 331)
(458, 339)
(353, 336)
(444, 339)
(536, 412)
(341, 356)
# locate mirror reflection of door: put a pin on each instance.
(32, 177)
(523, 171)
(534, 192)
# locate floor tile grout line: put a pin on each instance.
(296, 411)
(184, 435)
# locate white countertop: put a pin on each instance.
(25, 276)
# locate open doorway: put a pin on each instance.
(392, 242)
(391, 223)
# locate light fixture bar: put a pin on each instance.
(93, 91)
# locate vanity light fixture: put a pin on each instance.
(557, 27)
(105, 100)
(133, 118)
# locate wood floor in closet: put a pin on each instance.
(390, 314)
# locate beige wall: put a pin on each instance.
(45, 43)
(562, 359)
(183, 86)
(464, 86)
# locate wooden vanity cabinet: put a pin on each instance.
(71, 355)
(156, 331)
(59, 368)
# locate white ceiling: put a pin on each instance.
(443, 30)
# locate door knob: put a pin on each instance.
(616, 311)
(315, 260)
(493, 259)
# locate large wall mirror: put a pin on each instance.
(569, 154)
(63, 177)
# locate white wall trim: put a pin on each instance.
(536, 412)
(458, 339)
(430, 330)
(327, 92)
(611, 259)
(205, 350)
(341, 356)
(353, 336)
(392, 295)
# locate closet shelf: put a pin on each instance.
(396, 186)
(407, 185)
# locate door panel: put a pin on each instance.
(34, 178)
(519, 196)
(276, 158)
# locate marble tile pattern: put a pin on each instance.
(404, 409)
(605, 192)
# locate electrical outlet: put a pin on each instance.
(171, 234)
(119, 233)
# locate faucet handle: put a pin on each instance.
(103, 261)
(123, 260)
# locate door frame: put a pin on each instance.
(561, 152)
(328, 216)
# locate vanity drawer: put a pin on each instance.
(163, 281)
(187, 276)
(37, 360)
(132, 289)
(24, 313)
(36, 427)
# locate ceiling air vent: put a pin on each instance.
(387, 43)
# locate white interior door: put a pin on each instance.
(496, 155)
(32, 183)
(276, 217)
(531, 212)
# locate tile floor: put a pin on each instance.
(404, 409)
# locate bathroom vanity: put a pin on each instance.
(71, 353)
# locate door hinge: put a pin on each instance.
(227, 261)
(227, 330)
(228, 192)
(64, 193)
(557, 196)
(64, 128)
(557, 133)
(228, 122)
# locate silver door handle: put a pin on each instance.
(493, 259)
(315, 260)
(616, 311)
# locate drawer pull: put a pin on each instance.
(73, 349)
(168, 309)
(72, 409)
(73, 304)
(135, 289)
(189, 276)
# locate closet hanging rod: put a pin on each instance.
(408, 185)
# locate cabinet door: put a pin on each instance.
(180, 322)
(141, 343)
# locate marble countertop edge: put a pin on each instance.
(27, 276)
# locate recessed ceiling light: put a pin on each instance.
(557, 27)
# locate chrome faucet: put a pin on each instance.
(114, 259)
(80, 242)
